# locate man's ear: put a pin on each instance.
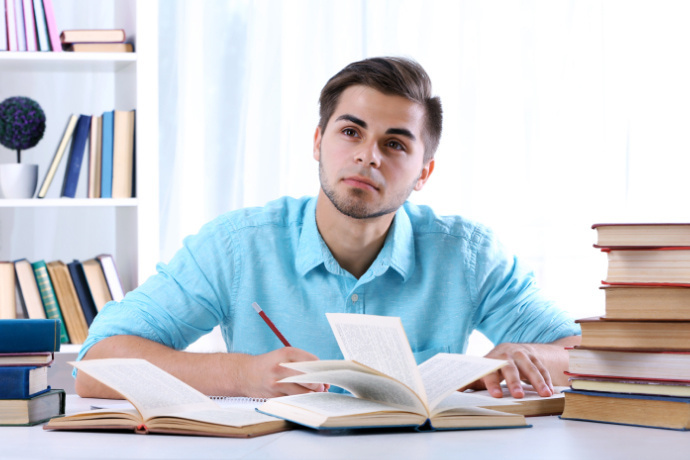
(424, 176)
(317, 144)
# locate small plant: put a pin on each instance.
(22, 124)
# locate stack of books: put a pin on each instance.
(71, 293)
(109, 140)
(95, 41)
(26, 350)
(633, 365)
(28, 25)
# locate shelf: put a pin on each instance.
(68, 202)
(24, 61)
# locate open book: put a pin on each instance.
(386, 385)
(162, 404)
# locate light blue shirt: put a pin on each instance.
(443, 276)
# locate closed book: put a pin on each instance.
(30, 359)
(76, 157)
(649, 235)
(50, 304)
(647, 302)
(27, 288)
(92, 36)
(107, 155)
(19, 23)
(111, 276)
(41, 26)
(29, 335)
(635, 334)
(8, 304)
(76, 272)
(95, 279)
(629, 364)
(77, 329)
(59, 153)
(3, 27)
(29, 25)
(32, 411)
(123, 153)
(625, 409)
(53, 33)
(23, 382)
(100, 48)
(10, 18)
(630, 386)
(662, 266)
(95, 145)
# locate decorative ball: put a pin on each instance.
(22, 123)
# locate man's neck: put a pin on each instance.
(354, 243)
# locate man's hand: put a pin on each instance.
(263, 372)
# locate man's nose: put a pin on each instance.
(369, 154)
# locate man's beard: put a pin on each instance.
(354, 205)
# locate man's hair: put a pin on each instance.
(393, 76)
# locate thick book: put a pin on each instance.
(76, 157)
(88, 307)
(123, 153)
(107, 155)
(53, 33)
(649, 235)
(388, 388)
(95, 155)
(100, 48)
(629, 364)
(92, 36)
(22, 382)
(29, 335)
(32, 411)
(59, 153)
(98, 286)
(8, 303)
(163, 404)
(27, 288)
(50, 303)
(599, 332)
(631, 386)
(41, 26)
(647, 302)
(661, 266)
(531, 405)
(72, 313)
(31, 359)
(625, 409)
(111, 276)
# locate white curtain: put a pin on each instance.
(558, 113)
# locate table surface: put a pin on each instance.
(549, 438)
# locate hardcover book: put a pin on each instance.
(96, 282)
(647, 235)
(111, 276)
(29, 335)
(29, 295)
(53, 33)
(92, 36)
(50, 303)
(635, 334)
(100, 48)
(32, 411)
(661, 266)
(123, 153)
(88, 306)
(27, 359)
(77, 329)
(8, 303)
(629, 364)
(647, 302)
(631, 386)
(22, 382)
(59, 153)
(95, 157)
(107, 155)
(76, 157)
(41, 26)
(387, 387)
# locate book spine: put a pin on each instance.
(76, 157)
(29, 335)
(15, 382)
(107, 155)
(48, 296)
(94, 182)
(123, 153)
(8, 304)
(71, 124)
(3, 26)
(41, 27)
(10, 18)
(88, 306)
(53, 33)
(29, 27)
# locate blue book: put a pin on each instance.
(29, 335)
(23, 382)
(76, 156)
(41, 26)
(88, 306)
(107, 155)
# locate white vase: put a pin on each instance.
(18, 180)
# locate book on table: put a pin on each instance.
(29, 335)
(22, 382)
(34, 410)
(599, 332)
(162, 404)
(630, 364)
(388, 388)
(531, 405)
(660, 266)
(631, 386)
(626, 235)
(36, 358)
(645, 301)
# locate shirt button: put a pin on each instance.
(355, 297)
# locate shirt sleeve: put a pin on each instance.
(184, 300)
(510, 307)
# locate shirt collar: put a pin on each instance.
(397, 252)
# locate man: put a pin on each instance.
(358, 247)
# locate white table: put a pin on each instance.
(549, 438)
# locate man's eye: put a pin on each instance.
(350, 132)
(396, 145)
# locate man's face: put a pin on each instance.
(371, 152)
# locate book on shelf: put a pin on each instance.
(95, 145)
(100, 48)
(8, 303)
(631, 386)
(29, 25)
(76, 157)
(59, 153)
(19, 24)
(123, 153)
(27, 288)
(32, 411)
(29, 335)
(663, 266)
(10, 16)
(387, 387)
(50, 304)
(163, 404)
(626, 409)
(650, 235)
(599, 332)
(3, 27)
(41, 26)
(647, 302)
(53, 33)
(21, 382)
(96, 282)
(531, 405)
(630, 364)
(88, 306)
(38, 358)
(107, 155)
(92, 36)
(67, 298)
(111, 276)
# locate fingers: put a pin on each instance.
(493, 384)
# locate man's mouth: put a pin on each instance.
(360, 182)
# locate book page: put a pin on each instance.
(445, 373)
(378, 342)
(334, 404)
(151, 390)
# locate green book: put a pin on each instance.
(50, 303)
